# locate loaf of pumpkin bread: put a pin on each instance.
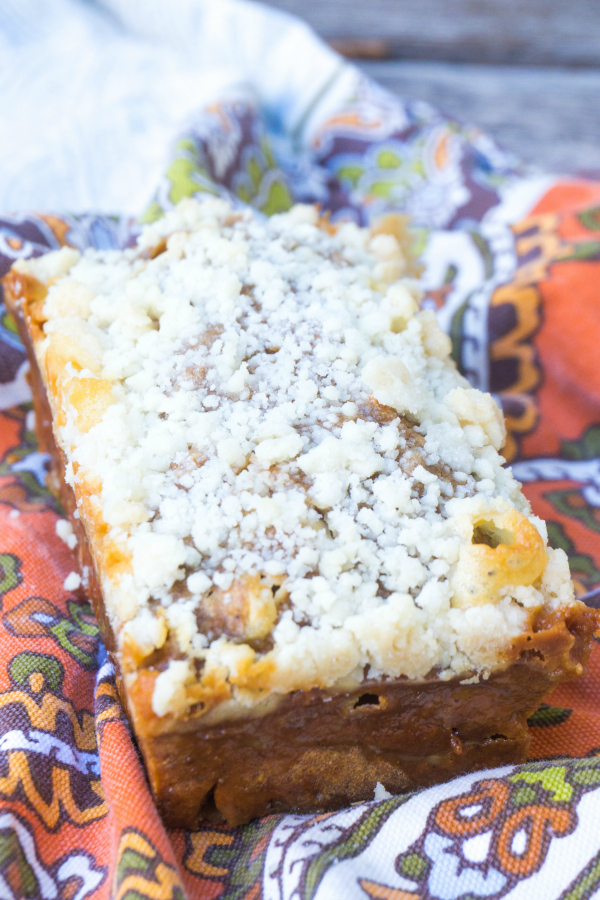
(309, 564)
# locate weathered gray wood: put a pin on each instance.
(550, 117)
(532, 32)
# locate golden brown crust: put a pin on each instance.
(319, 750)
(17, 291)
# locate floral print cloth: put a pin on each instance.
(512, 270)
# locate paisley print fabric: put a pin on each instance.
(512, 269)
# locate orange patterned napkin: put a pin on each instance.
(513, 272)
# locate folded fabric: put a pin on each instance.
(126, 107)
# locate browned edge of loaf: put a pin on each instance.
(323, 749)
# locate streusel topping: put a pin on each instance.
(285, 454)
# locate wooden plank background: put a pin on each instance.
(526, 72)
